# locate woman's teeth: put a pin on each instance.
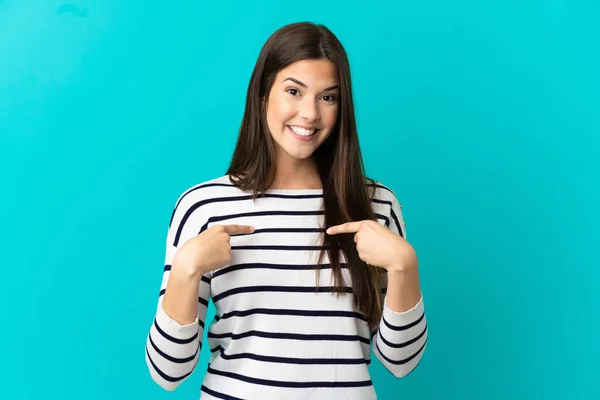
(301, 131)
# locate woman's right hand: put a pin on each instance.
(207, 251)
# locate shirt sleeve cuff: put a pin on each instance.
(173, 327)
(405, 317)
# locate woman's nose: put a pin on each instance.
(309, 110)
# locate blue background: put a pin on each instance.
(482, 115)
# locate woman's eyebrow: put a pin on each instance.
(296, 81)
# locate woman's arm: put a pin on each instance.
(175, 338)
(400, 340)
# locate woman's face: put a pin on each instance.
(302, 107)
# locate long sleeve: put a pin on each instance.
(401, 338)
(400, 341)
(172, 349)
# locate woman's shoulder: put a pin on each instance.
(386, 204)
(380, 190)
(213, 186)
(201, 198)
(205, 191)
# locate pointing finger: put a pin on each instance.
(238, 229)
(348, 227)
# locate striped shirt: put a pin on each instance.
(275, 335)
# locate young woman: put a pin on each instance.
(303, 257)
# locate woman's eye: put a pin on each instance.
(292, 91)
(329, 98)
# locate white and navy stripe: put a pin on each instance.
(276, 333)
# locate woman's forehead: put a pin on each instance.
(320, 72)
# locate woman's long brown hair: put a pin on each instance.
(339, 161)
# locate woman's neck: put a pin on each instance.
(297, 174)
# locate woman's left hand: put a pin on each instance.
(379, 246)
